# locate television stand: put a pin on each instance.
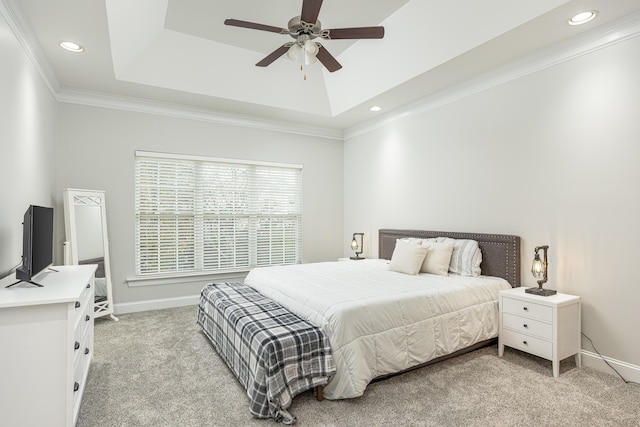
(22, 281)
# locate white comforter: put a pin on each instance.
(381, 322)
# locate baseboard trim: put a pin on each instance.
(155, 304)
(627, 370)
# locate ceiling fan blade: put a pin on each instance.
(353, 33)
(310, 11)
(274, 55)
(327, 59)
(254, 26)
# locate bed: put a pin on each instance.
(380, 322)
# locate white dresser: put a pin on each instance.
(46, 346)
(547, 327)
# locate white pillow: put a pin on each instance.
(414, 240)
(438, 258)
(407, 257)
(466, 257)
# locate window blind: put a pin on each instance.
(197, 214)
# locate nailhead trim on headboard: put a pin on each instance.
(500, 252)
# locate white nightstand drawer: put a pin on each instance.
(528, 326)
(528, 309)
(527, 343)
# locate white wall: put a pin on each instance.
(27, 143)
(553, 157)
(96, 151)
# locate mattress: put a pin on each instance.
(381, 322)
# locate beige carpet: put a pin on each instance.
(157, 369)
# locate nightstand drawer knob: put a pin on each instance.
(76, 345)
(77, 304)
(525, 325)
(525, 308)
(525, 343)
(76, 386)
(87, 318)
(86, 350)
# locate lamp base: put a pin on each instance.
(540, 291)
(355, 258)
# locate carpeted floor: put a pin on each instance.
(157, 369)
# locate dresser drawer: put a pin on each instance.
(527, 309)
(78, 380)
(83, 319)
(527, 326)
(536, 346)
(83, 339)
(85, 301)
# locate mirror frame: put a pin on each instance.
(73, 197)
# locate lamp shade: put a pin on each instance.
(354, 244)
(537, 268)
(311, 47)
(310, 51)
(294, 51)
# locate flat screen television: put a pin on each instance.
(37, 242)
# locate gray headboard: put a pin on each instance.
(500, 252)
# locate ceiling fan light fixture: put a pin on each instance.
(294, 52)
(309, 58)
(310, 51)
(311, 47)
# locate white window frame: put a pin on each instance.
(291, 221)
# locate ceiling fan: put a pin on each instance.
(304, 29)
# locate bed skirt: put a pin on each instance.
(273, 353)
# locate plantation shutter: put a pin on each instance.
(196, 214)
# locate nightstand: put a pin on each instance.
(548, 327)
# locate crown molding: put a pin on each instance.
(104, 100)
(34, 52)
(613, 33)
(30, 44)
(603, 37)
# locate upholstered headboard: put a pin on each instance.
(500, 252)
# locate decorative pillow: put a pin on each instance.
(466, 257)
(407, 257)
(438, 258)
(414, 240)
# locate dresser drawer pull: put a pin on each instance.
(77, 304)
(525, 326)
(86, 350)
(76, 345)
(87, 318)
(76, 386)
(525, 308)
(88, 285)
(525, 343)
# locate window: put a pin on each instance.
(196, 214)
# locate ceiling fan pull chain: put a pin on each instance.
(304, 75)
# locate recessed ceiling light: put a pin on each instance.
(71, 46)
(583, 17)
(375, 108)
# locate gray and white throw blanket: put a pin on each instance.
(274, 353)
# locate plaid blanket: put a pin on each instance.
(274, 354)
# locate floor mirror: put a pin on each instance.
(87, 241)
